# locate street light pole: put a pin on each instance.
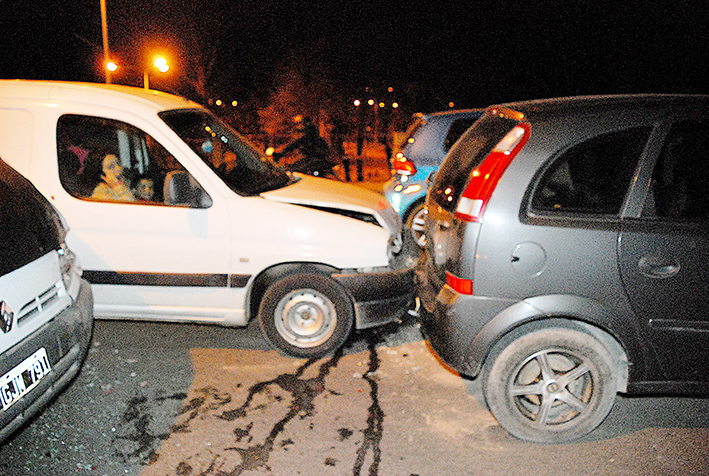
(104, 31)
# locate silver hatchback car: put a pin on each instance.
(567, 257)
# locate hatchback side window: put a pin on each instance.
(592, 177)
(681, 176)
(106, 160)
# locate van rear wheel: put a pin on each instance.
(306, 315)
(550, 386)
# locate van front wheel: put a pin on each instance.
(306, 315)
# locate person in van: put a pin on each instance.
(112, 187)
(74, 161)
(145, 189)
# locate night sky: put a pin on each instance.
(473, 53)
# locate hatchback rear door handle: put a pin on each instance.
(658, 267)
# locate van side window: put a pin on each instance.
(107, 160)
(680, 178)
(592, 177)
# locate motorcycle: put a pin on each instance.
(307, 165)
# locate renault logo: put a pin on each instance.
(6, 317)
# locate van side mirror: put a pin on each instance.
(181, 189)
(431, 177)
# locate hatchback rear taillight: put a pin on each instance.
(459, 285)
(404, 166)
(485, 177)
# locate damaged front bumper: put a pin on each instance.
(381, 295)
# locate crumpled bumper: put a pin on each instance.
(380, 296)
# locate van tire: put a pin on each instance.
(567, 372)
(306, 315)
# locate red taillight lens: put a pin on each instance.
(404, 166)
(485, 177)
(460, 285)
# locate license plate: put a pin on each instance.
(23, 378)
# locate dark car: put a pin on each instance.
(568, 242)
(46, 308)
(423, 149)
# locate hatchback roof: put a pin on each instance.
(562, 104)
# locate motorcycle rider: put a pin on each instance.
(313, 148)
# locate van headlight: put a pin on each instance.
(68, 267)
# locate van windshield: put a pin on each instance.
(238, 163)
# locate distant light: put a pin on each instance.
(218, 102)
(381, 104)
(235, 103)
(451, 104)
(161, 64)
(111, 66)
(395, 105)
(390, 89)
(413, 188)
(357, 102)
(371, 102)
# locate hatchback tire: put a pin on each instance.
(306, 315)
(552, 385)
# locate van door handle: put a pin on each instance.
(657, 267)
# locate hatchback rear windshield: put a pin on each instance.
(467, 154)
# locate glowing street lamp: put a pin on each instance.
(161, 65)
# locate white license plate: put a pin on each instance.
(23, 378)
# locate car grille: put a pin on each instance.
(38, 304)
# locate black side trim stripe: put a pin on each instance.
(162, 279)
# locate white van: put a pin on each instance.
(46, 308)
(178, 218)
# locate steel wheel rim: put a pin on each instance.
(305, 318)
(418, 227)
(553, 387)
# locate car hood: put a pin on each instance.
(338, 197)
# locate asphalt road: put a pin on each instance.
(187, 400)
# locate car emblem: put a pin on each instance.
(6, 317)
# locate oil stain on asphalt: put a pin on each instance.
(227, 432)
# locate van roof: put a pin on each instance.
(91, 93)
